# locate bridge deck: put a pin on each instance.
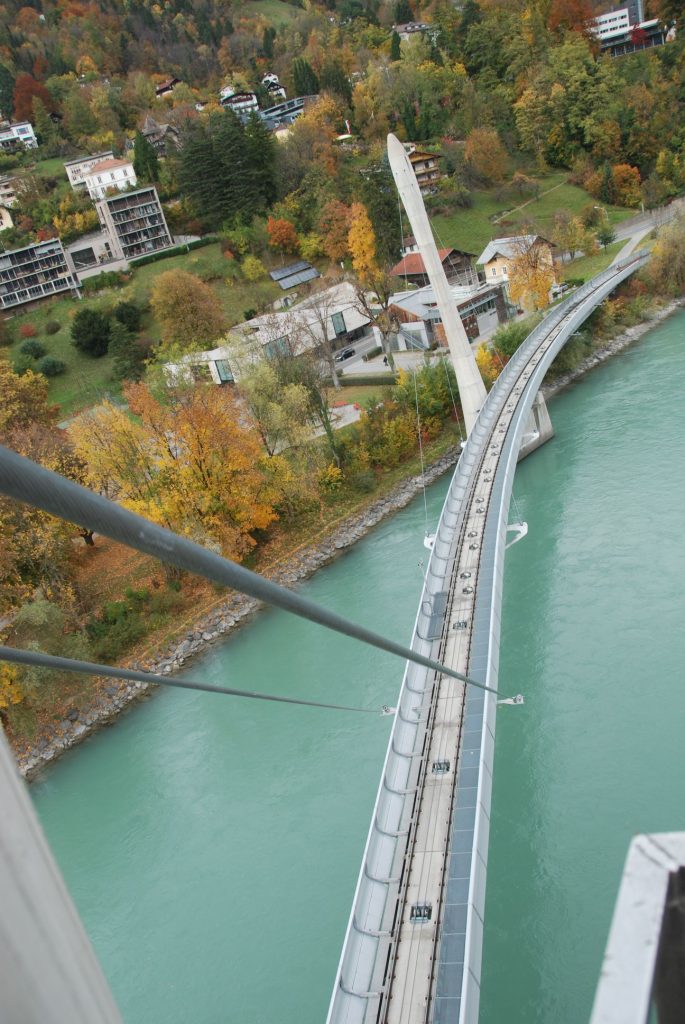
(413, 946)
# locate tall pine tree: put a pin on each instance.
(145, 162)
(304, 78)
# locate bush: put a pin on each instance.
(106, 279)
(369, 378)
(28, 331)
(23, 363)
(51, 367)
(252, 268)
(128, 314)
(33, 348)
(372, 353)
(90, 332)
(52, 326)
(175, 250)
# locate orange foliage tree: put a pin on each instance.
(26, 88)
(188, 461)
(627, 185)
(334, 227)
(282, 235)
(531, 275)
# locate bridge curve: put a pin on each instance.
(413, 945)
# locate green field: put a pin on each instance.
(275, 11)
(494, 213)
(588, 266)
(87, 380)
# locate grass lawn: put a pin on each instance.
(275, 11)
(472, 229)
(588, 266)
(86, 380)
(358, 393)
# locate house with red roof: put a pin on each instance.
(458, 266)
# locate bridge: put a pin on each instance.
(412, 950)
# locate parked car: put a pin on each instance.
(345, 353)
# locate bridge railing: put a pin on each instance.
(361, 976)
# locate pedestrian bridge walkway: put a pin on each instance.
(412, 951)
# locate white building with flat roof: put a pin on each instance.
(331, 316)
(109, 174)
(77, 169)
(19, 134)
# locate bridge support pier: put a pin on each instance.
(540, 429)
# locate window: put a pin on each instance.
(338, 321)
(277, 347)
(494, 271)
(224, 371)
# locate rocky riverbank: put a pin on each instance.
(235, 611)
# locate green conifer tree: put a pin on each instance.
(395, 48)
(304, 78)
(145, 162)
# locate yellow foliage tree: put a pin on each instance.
(531, 275)
(361, 242)
(35, 547)
(189, 461)
(11, 691)
(488, 364)
(189, 311)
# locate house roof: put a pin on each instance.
(509, 247)
(94, 156)
(421, 302)
(108, 165)
(412, 263)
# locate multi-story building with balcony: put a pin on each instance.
(35, 272)
(426, 167)
(20, 134)
(135, 223)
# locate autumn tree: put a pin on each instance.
(488, 364)
(35, 548)
(627, 185)
(188, 461)
(188, 310)
(531, 274)
(334, 226)
(282, 235)
(361, 243)
(485, 155)
(26, 89)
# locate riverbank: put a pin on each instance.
(237, 609)
(611, 348)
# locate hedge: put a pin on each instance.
(176, 250)
(348, 381)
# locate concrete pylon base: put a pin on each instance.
(539, 430)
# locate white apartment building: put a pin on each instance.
(243, 103)
(109, 174)
(82, 165)
(8, 190)
(19, 134)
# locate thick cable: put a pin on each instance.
(21, 657)
(25, 481)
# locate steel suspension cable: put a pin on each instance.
(27, 482)
(19, 657)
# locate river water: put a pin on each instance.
(212, 844)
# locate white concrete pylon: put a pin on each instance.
(471, 387)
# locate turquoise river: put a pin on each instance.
(212, 844)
